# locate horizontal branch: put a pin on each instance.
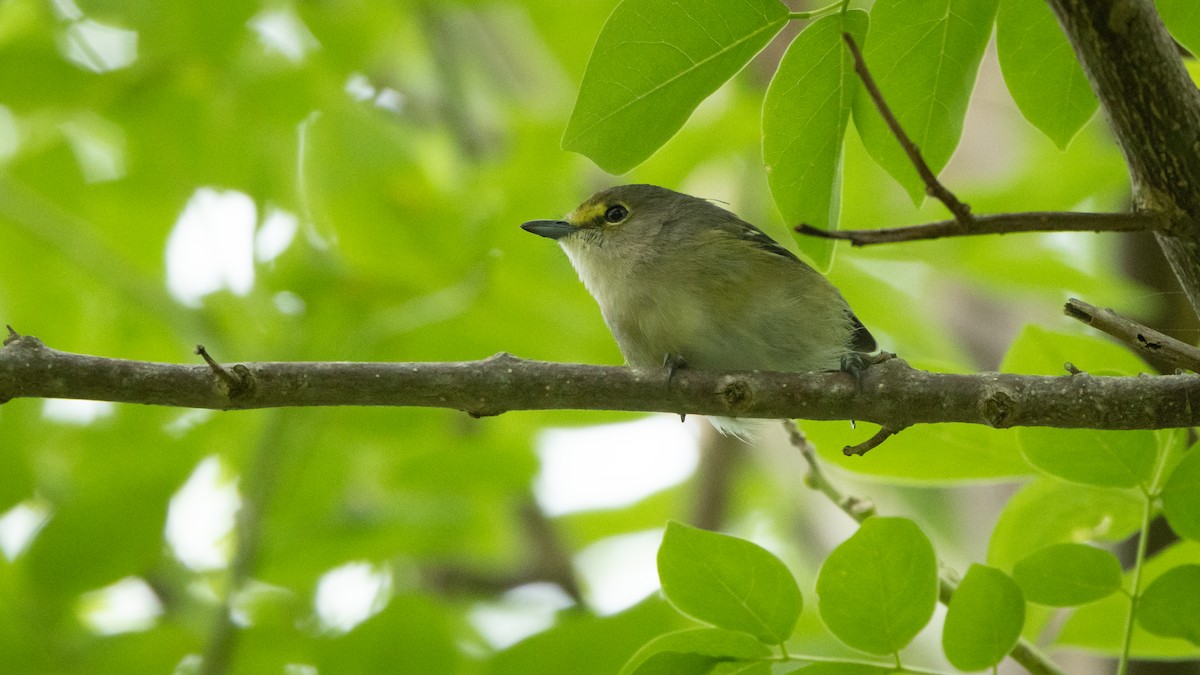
(1002, 223)
(890, 393)
(1140, 338)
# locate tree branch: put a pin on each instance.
(1001, 223)
(1153, 108)
(890, 394)
(1140, 338)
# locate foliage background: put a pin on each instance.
(406, 141)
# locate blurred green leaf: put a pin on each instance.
(1181, 497)
(1183, 20)
(608, 641)
(412, 635)
(805, 112)
(984, 619)
(1048, 511)
(924, 56)
(878, 588)
(1170, 606)
(654, 62)
(1099, 627)
(1040, 68)
(728, 582)
(934, 454)
(1038, 351)
(1064, 575)
(714, 645)
(1119, 459)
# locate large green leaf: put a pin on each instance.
(1120, 459)
(1041, 70)
(924, 55)
(805, 113)
(1100, 626)
(984, 619)
(728, 582)
(1064, 575)
(1171, 605)
(654, 62)
(1183, 20)
(1181, 497)
(877, 590)
(1049, 511)
(714, 645)
(1038, 351)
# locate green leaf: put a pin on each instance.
(1065, 575)
(923, 55)
(1182, 18)
(934, 454)
(1170, 606)
(654, 62)
(1038, 351)
(1181, 497)
(728, 582)
(1049, 511)
(1041, 71)
(984, 619)
(877, 590)
(1121, 459)
(805, 113)
(1100, 626)
(715, 644)
(608, 641)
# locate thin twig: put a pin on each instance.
(1143, 340)
(236, 382)
(858, 509)
(13, 335)
(962, 212)
(1024, 653)
(1000, 223)
(884, 433)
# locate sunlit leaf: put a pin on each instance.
(1170, 606)
(1119, 459)
(924, 56)
(654, 62)
(1183, 20)
(877, 589)
(1064, 575)
(805, 113)
(711, 645)
(1040, 68)
(1181, 497)
(1099, 627)
(984, 619)
(1048, 511)
(728, 582)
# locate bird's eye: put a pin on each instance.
(616, 214)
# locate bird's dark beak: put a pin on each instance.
(551, 229)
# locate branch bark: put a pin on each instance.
(1153, 108)
(1001, 223)
(891, 393)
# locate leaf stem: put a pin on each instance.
(1135, 590)
(1150, 493)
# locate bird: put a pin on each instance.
(682, 282)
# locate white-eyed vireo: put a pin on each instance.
(682, 281)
